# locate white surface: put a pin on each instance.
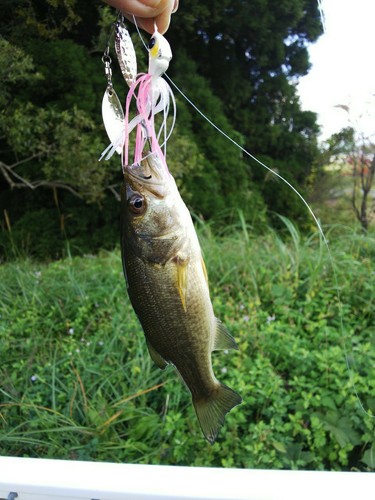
(37, 479)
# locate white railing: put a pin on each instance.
(39, 479)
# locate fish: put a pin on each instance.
(168, 288)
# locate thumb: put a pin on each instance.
(147, 12)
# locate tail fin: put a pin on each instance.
(211, 411)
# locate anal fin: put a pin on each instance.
(223, 339)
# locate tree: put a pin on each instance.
(363, 174)
(252, 54)
(42, 145)
(348, 148)
(354, 149)
(238, 60)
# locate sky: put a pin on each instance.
(343, 68)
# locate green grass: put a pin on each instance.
(77, 382)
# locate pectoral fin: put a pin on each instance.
(182, 280)
(156, 358)
(223, 339)
(204, 270)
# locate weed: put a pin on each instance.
(77, 381)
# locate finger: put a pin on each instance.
(147, 12)
(141, 8)
(144, 23)
(162, 21)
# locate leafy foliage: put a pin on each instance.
(77, 381)
(15, 67)
(254, 73)
(223, 181)
(60, 145)
(224, 59)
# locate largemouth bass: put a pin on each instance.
(168, 288)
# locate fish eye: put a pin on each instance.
(137, 204)
(152, 42)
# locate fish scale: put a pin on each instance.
(149, 295)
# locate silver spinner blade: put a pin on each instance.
(113, 118)
(125, 53)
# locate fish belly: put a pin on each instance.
(180, 331)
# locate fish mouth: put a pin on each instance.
(150, 172)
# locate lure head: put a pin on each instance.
(160, 54)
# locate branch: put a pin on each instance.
(8, 172)
(370, 175)
(57, 184)
(113, 191)
(354, 192)
(354, 205)
(25, 160)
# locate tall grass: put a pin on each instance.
(77, 381)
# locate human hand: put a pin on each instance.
(147, 12)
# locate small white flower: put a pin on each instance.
(271, 318)
(88, 343)
(246, 318)
(224, 370)
(226, 351)
(70, 331)
(33, 378)
(38, 274)
(242, 307)
(101, 342)
(77, 350)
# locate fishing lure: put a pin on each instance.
(125, 53)
(151, 93)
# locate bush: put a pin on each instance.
(77, 381)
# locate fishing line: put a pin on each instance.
(252, 157)
(139, 33)
(238, 145)
(320, 229)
